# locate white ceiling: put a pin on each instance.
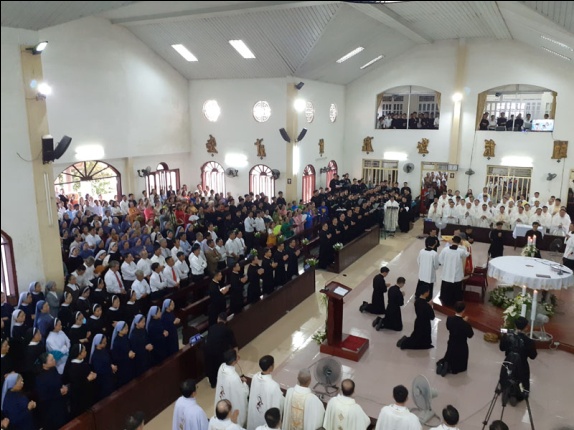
(304, 39)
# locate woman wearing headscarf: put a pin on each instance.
(170, 322)
(17, 335)
(34, 348)
(79, 332)
(7, 310)
(24, 305)
(81, 381)
(100, 256)
(157, 334)
(122, 355)
(72, 287)
(141, 345)
(7, 359)
(114, 314)
(43, 321)
(52, 298)
(83, 303)
(15, 405)
(65, 314)
(35, 289)
(114, 253)
(96, 323)
(74, 259)
(101, 363)
(58, 344)
(131, 308)
(52, 394)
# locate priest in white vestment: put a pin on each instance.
(450, 213)
(272, 420)
(343, 412)
(264, 394)
(187, 414)
(560, 223)
(450, 418)
(303, 409)
(231, 386)
(225, 418)
(391, 215)
(483, 218)
(435, 212)
(466, 214)
(502, 217)
(546, 218)
(397, 416)
(519, 217)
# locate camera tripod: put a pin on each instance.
(505, 397)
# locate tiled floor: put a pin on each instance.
(384, 365)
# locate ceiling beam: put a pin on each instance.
(386, 16)
(218, 11)
(492, 17)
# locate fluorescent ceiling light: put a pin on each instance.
(564, 57)
(456, 97)
(399, 156)
(560, 44)
(184, 52)
(89, 152)
(516, 161)
(236, 160)
(374, 60)
(350, 54)
(44, 89)
(242, 48)
(41, 46)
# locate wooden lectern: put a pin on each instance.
(338, 343)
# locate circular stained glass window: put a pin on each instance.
(333, 112)
(211, 110)
(309, 112)
(261, 111)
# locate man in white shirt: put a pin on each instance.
(92, 238)
(301, 405)
(240, 244)
(156, 282)
(451, 259)
(450, 419)
(249, 227)
(222, 253)
(114, 283)
(211, 234)
(260, 222)
(182, 269)
(157, 256)
(81, 278)
(230, 386)
(397, 416)
(129, 271)
(232, 250)
(428, 263)
(165, 251)
(187, 414)
(144, 263)
(265, 393)
(141, 286)
(124, 205)
(197, 264)
(484, 194)
(89, 273)
(272, 419)
(176, 249)
(225, 418)
(170, 274)
(568, 258)
(343, 412)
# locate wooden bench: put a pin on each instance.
(356, 248)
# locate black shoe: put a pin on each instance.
(376, 321)
(513, 401)
(400, 341)
(379, 325)
(363, 307)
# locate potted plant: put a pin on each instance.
(305, 241)
(310, 263)
(338, 246)
(321, 335)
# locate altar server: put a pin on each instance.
(451, 259)
(428, 263)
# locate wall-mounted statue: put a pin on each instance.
(211, 145)
(560, 150)
(260, 149)
(367, 145)
(422, 146)
(489, 145)
(321, 147)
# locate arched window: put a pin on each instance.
(163, 178)
(308, 182)
(9, 283)
(213, 177)
(332, 170)
(261, 180)
(90, 177)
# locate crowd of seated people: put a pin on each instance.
(416, 120)
(113, 321)
(482, 211)
(502, 123)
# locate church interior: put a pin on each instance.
(239, 97)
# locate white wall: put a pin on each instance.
(322, 95)
(112, 90)
(236, 130)
(433, 66)
(19, 215)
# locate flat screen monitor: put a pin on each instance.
(543, 125)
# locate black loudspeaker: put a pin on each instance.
(301, 135)
(285, 135)
(62, 147)
(47, 149)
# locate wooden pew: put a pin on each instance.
(356, 248)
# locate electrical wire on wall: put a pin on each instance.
(471, 157)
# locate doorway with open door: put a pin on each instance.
(434, 177)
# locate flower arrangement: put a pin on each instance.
(338, 246)
(215, 228)
(312, 262)
(305, 241)
(280, 239)
(257, 234)
(319, 336)
(500, 298)
(253, 252)
(529, 250)
(512, 312)
(513, 305)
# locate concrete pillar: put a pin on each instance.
(43, 173)
(291, 151)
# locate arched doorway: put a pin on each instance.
(332, 170)
(95, 178)
(163, 178)
(261, 180)
(308, 182)
(213, 177)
